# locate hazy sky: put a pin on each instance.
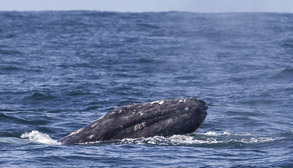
(152, 5)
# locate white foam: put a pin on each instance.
(39, 137)
(211, 133)
(173, 140)
(185, 139)
(257, 140)
(194, 140)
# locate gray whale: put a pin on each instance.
(162, 118)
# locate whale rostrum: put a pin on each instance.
(158, 118)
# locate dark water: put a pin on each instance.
(61, 70)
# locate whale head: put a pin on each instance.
(158, 118)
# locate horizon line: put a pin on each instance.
(163, 11)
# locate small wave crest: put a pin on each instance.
(39, 137)
(211, 133)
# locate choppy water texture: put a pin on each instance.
(61, 70)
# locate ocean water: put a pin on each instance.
(59, 71)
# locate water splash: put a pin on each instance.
(39, 137)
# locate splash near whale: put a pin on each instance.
(158, 118)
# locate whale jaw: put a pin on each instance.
(158, 118)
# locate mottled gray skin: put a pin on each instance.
(162, 118)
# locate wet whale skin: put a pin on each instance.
(158, 118)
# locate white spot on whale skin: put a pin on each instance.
(77, 131)
(91, 136)
(137, 127)
(102, 117)
(186, 108)
(141, 113)
(182, 100)
(94, 125)
(143, 124)
(160, 102)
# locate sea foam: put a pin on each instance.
(39, 137)
(202, 138)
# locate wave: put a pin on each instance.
(38, 137)
(284, 73)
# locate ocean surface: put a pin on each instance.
(59, 71)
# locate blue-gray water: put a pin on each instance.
(61, 70)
